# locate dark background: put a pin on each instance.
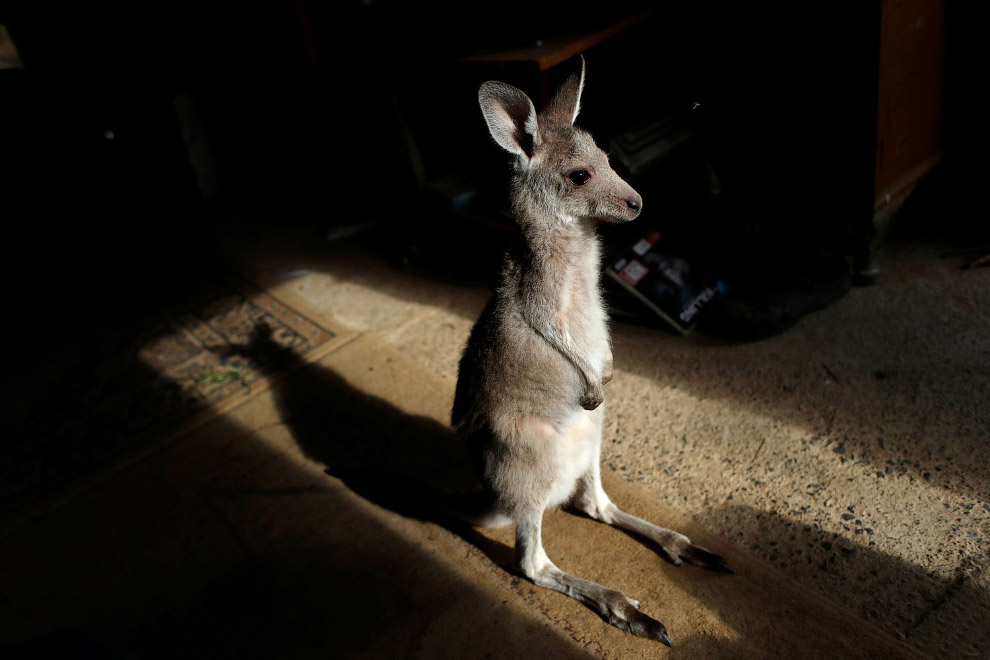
(139, 134)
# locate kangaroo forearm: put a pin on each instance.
(545, 296)
(560, 340)
(607, 368)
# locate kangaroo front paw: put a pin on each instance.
(593, 397)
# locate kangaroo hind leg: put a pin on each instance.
(591, 499)
(614, 607)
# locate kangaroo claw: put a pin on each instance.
(698, 556)
(592, 400)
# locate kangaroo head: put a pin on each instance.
(559, 170)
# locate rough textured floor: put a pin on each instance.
(269, 532)
(840, 466)
(848, 451)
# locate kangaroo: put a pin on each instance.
(528, 402)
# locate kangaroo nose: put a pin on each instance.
(633, 204)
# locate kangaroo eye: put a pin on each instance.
(579, 177)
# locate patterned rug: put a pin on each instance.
(133, 383)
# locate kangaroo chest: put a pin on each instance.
(581, 311)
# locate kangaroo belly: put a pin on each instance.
(578, 449)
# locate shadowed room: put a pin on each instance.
(247, 245)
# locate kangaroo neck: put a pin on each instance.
(547, 237)
(567, 255)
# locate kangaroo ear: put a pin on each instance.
(510, 116)
(566, 103)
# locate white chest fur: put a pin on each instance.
(578, 449)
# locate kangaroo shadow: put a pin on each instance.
(409, 464)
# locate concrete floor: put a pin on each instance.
(840, 466)
(848, 452)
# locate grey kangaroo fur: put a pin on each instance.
(529, 393)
